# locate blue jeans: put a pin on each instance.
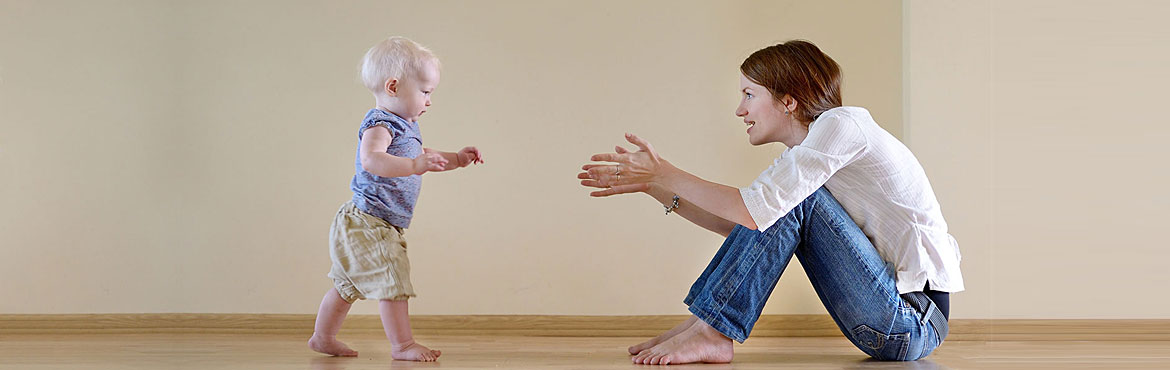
(854, 283)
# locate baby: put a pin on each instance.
(367, 239)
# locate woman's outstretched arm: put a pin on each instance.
(692, 213)
(685, 208)
(638, 171)
(720, 200)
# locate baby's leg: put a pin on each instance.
(329, 317)
(396, 322)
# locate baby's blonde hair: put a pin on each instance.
(394, 58)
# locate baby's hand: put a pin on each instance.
(429, 162)
(468, 156)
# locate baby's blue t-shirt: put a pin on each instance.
(389, 198)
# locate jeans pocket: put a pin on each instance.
(879, 345)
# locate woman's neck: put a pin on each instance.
(798, 131)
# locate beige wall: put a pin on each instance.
(188, 156)
(1039, 125)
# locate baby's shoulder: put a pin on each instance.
(392, 123)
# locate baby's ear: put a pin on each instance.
(391, 87)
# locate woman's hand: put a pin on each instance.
(633, 171)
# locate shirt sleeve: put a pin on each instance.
(833, 142)
(396, 128)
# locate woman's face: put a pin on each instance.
(763, 115)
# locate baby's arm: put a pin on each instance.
(375, 160)
(463, 158)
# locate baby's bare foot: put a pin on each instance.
(637, 348)
(698, 343)
(414, 352)
(330, 346)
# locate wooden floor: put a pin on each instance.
(282, 351)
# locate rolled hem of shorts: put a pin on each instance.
(720, 325)
(401, 297)
(348, 295)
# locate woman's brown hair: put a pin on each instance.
(797, 68)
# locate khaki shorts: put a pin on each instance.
(369, 257)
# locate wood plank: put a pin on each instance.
(183, 351)
(554, 325)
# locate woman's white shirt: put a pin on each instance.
(880, 184)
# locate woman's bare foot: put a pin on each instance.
(698, 343)
(637, 348)
(330, 346)
(414, 352)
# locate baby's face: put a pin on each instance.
(414, 95)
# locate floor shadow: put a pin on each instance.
(342, 363)
(814, 360)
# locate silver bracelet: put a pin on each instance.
(673, 206)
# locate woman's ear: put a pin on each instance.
(391, 87)
(788, 103)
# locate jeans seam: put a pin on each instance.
(719, 325)
(853, 253)
(722, 300)
(858, 258)
(925, 343)
(905, 348)
(718, 303)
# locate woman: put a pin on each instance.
(846, 198)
